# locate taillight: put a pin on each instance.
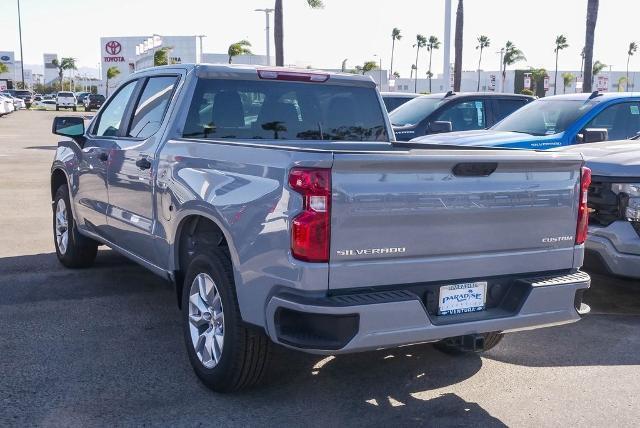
(583, 211)
(311, 229)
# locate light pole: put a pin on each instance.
(446, 71)
(502, 76)
(379, 70)
(20, 35)
(200, 36)
(267, 31)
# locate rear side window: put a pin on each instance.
(243, 109)
(505, 107)
(392, 103)
(465, 116)
(151, 106)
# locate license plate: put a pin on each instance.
(462, 298)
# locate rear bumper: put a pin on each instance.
(365, 321)
(617, 247)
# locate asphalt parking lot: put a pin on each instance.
(103, 346)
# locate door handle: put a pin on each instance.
(103, 156)
(143, 163)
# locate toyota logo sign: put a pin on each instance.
(113, 47)
(5, 58)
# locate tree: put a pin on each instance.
(161, 56)
(239, 48)
(421, 41)
(395, 35)
(278, 27)
(3, 68)
(62, 65)
(511, 55)
(483, 42)
(343, 68)
(432, 44)
(368, 66)
(597, 68)
(633, 47)
(561, 43)
(396, 74)
(537, 74)
(592, 18)
(622, 81)
(567, 78)
(457, 64)
(112, 72)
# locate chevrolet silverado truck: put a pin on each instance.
(556, 121)
(613, 242)
(279, 204)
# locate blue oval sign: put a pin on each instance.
(5, 58)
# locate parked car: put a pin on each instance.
(436, 113)
(303, 223)
(46, 104)
(93, 102)
(17, 102)
(614, 205)
(393, 100)
(80, 96)
(559, 120)
(66, 100)
(24, 95)
(7, 103)
(3, 108)
(37, 97)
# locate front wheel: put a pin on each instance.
(57, 108)
(73, 250)
(225, 354)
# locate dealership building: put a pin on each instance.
(131, 53)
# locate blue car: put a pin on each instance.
(556, 121)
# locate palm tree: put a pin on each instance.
(597, 69)
(567, 78)
(368, 66)
(421, 41)
(239, 48)
(112, 72)
(561, 43)
(3, 68)
(633, 47)
(62, 65)
(161, 56)
(457, 64)
(592, 18)
(278, 27)
(343, 68)
(511, 55)
(396, 74)
(432, 44)
(413, 67)
(622, 81)
(483, 42)
(537, 74)
(395, 35)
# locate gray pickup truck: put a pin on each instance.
(280, 205)
(614, 206)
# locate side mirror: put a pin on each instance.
(440, 126)
(68, 126)
(594, 135)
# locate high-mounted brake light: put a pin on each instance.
(292, 76)
(311, 229)
(583, 211)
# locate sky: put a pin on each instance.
(358, 30)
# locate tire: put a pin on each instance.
(453, 347)
(87, 109)
(57, 108)
(75, 109)
(76, 251)
(243, 356)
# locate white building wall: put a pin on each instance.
(223, 58)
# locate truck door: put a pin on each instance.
(131, 169)
(91, 200)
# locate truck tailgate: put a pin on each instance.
(400, 218)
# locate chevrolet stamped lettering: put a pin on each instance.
(369, 251)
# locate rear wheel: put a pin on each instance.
(225, 354)
(73, 250)
(87, 109)
(57, 108)
(75, 109)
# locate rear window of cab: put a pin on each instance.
(248, 109)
